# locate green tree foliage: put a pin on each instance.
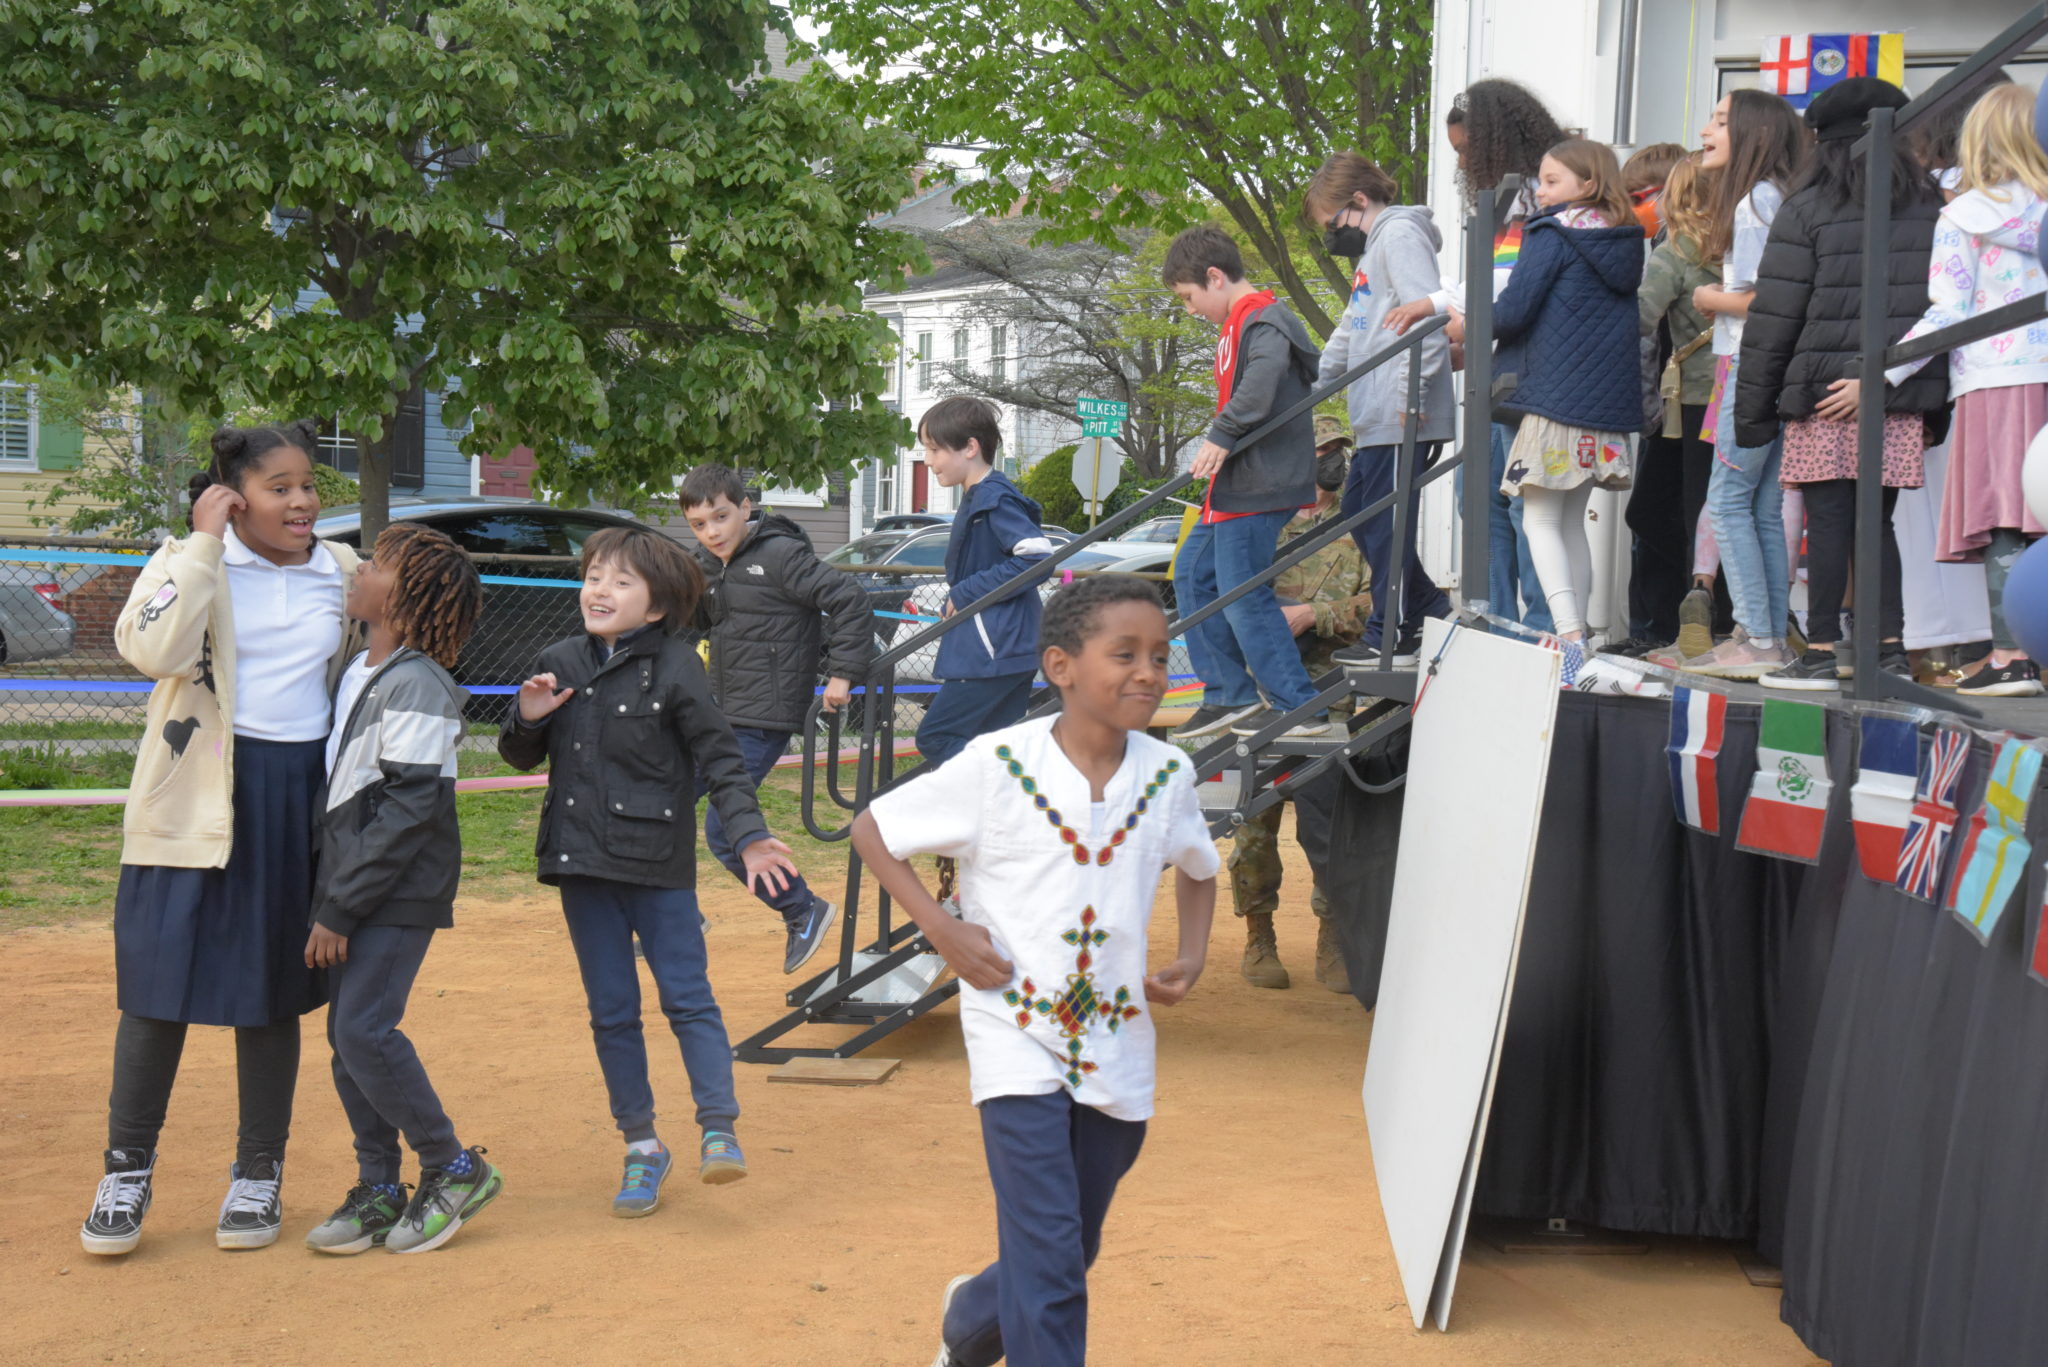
(1104, 117)
(1050, 483)
(594, 223)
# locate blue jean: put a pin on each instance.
(1748, 510)
(377, 1072)
(1508, 565)
(1055, 1165)
(1217, 557)
(603, 918)
(759, 750)
(965, 708)
(1371, 479)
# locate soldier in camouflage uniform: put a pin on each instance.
(1326, 602)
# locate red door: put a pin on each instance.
(920, 486)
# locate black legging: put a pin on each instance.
(1830, 549)
(146, 1055)
(1661, 569)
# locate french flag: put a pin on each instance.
(1881, 800)
(1698, 719)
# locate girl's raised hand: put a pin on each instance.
(768, 861)
(216, 504)
(538, 697)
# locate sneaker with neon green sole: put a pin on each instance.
(444, 1203)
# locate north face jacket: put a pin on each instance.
(770, 613)
(1572, 300)
(390, 846)
(625, 756)
(996, 536)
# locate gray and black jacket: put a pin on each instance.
(771, 613)
(1275, 366)
(390, 848)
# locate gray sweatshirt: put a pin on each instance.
(1399, 267)
(1275, 368)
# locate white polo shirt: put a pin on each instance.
(1013, 810)
(287, 627)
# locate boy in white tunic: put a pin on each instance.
(1061, 827)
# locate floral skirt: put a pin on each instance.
(1548, 454)
(1818, 449)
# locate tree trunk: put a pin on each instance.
(373, 476)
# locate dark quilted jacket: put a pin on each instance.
(1804, 323)
(770, 612)
(1572, 304)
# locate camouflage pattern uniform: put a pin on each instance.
(1334, 582)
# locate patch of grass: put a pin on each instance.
(53, 766)
(71, 730)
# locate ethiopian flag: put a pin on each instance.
(1788, 797)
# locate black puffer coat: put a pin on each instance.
(770, 612)
(1805, 322)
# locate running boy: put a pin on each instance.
(623, 715)
(1265, 362)
(390, 859)
(771, 607)
(987, 668)
(1061, 826)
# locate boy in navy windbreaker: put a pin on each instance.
(987, 667)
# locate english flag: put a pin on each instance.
(1786, 63)
(1881, 800)
(1934, 814)
(1697, 720)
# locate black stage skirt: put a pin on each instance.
(228, 946)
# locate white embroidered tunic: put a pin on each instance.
(1066, 905)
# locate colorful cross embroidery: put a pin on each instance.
(1075, 1010)
(1072, 837)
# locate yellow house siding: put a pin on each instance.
(21, 495)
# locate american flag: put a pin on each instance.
(1934, 815)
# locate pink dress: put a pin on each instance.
(1818, 449)
(1988, 446)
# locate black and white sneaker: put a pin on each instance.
(1207, 720)
(253, 1212)
(1312, 729)
(115, 1225)
(1816, 671)
(807, 934)
(2018, 679)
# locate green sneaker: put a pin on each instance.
(720, 1160)
(444, 1203)
(366, 1218)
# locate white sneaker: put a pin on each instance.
(945, 1357)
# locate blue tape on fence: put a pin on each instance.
(74, 686)
(517, 582)
(72, 558)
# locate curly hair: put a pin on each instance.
(1507, 131)
(1071, 613)
(436, 597)
(239, 450)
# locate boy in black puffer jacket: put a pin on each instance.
(770, 607)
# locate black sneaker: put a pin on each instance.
(1633, 647)
(807, 934)
(1813, 672)
(1312, 729)
(115, 1225)
(1207, 721)
(1893, 659)
(253, 1212)
(2019, 679)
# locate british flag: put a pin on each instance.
(1934, 815)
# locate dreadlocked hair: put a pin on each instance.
(436, 597)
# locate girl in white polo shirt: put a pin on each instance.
(241, 626)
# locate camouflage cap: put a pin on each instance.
(1329, 429)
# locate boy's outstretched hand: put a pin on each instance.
(1208, 460)
(1405, 316)
(1171, 984)
(325, 949)
(971, 953)
(768, 861)
(838, 692)
(538, 697)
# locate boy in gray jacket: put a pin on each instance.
(390, 859)
(1265, 363)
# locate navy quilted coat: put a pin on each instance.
(1569, 314)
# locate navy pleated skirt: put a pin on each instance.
(228, 946)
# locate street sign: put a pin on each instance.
(1102, 427)
(1115, 410)
(1096, 471)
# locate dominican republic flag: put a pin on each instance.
(1698, 719)
(1934, 814)
(1995, 849)
(1881, 800)
(1788, 797)
(1800, 66)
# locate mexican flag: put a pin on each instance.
(1788, 797)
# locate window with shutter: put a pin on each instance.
(408, 445)
(998, 353)
(17, 427)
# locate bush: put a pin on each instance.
(1051, 484)
(335, 487)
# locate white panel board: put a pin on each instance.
(1478, 760)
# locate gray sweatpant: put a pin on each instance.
(383, 1088)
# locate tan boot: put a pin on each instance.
(1262, 966)
(1330, 970)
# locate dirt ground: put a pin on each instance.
(1249, 1232)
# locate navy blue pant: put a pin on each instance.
(1055, 1165)
(965, 708)
(1370, 480)
(759, 750)
(383, 1088)
(603, 917)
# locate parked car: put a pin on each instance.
(1164, 529)
(33, 623)
(899, 522)
(519, 620)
